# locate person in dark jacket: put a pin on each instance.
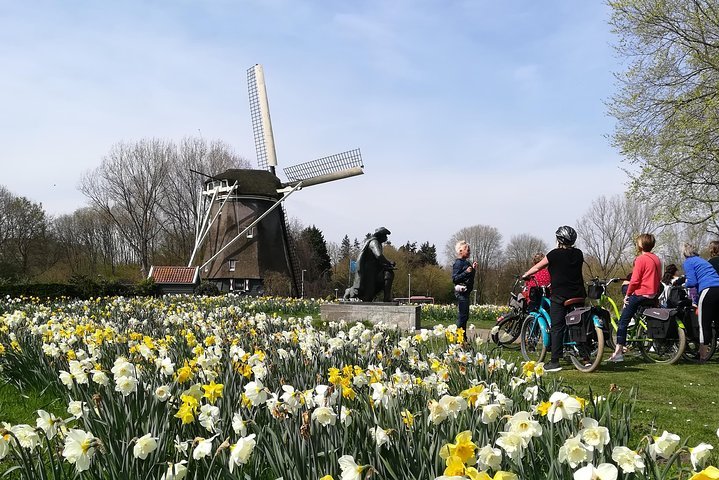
(565, 268)
(463, 279)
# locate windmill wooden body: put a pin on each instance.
(242, 232)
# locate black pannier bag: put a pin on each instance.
(678, 297)
(578, 323)
(595, 291)
(660, 325)
(691, 323)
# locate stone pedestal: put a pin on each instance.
(406, 317)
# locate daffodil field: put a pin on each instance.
(214, 388)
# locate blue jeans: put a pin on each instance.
(633, 303)
(463, 307)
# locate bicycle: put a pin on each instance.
(509, 326)
(679, 298)
(584, 336)
(597, 292)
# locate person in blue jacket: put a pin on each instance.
(463, 279)
(701, 274)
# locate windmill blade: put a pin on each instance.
(261, 123)
(326, 169)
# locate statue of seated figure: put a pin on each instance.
(374, 272)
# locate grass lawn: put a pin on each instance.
(20, 407)
(682, 398)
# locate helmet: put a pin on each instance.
(566, 235)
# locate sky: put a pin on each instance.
(466, 112)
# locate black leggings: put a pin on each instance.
(708, 314)
(557, 312)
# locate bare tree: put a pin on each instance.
(608, 229)
(521, 249)
(127, 188)
(486, 244)
(182, 188)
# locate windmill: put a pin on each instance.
(242, 232)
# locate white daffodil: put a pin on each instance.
(256, 393)
(77, 408)
(163, 393)
(240, 452)
(239, 425)
(575, 452)
(530, 393)
(562, 406)
(324, 416)
(4, 445)
(144, 445)
(491, 412)
(605, 471)
(513, 444)
(125, 385)
(122, 368)
(203, 447)
(350, 469)
(453, 405)
(48, 423)
(628, 460)
(165, 366)
(100, 377)
(380, 436)
(437, 413)
(79, 448)
(489, 458)
(593, 434)
(175, 471)
(77, 370)
(208, 417)
(181, 447)
(26, 436)
(346, 416)
(700, 454)
(664, 445)
(523, 424)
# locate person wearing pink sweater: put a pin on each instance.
(642, 289)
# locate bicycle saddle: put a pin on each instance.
(574, 301)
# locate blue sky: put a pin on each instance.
(467, 112)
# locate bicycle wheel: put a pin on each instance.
(660, 350)
(532, 340)
(691, 351)
(507, 331)
(610, 333)
(587, 356)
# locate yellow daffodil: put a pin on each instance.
(213, 391)
(709, 473)
(455, 466)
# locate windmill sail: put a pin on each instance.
(261, 122)
(326, 169)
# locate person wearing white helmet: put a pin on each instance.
(565, 269)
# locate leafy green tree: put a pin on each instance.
(667, 106)
(345, 247)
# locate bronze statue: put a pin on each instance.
(374, 272)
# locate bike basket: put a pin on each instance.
(659, 324)
(579, 323)
(595, 291)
